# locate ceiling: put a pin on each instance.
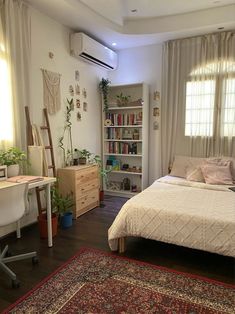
(132, 23)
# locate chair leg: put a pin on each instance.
(4, 251)
(7, 271)
(19, 257)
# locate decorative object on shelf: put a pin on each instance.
(3, 173)
(126, 184)
(127, 134)
(67, 154)
(71, 90)
(134, 188)
(114, 185)
(77, 89)
(51, 91)
(122, 100)
(136, 135)
(156, 112)
(13, 158)
(125, 167)
(78, 105)
(107, 122)
(84, 93)
(79, 116)
(85, 105)
(136, 103)
(104, 88)
(77, 76)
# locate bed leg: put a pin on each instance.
(121, 245)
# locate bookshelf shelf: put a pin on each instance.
(132, 123)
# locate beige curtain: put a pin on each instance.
(15, 55)
(198, 97)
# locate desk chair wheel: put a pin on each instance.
(15, 283)
(8, 253)
(35, 260)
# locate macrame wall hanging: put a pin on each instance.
(51, 91)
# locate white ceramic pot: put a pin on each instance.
(13, 170)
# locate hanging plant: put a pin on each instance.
(104, 88)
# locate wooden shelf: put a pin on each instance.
(125, 155)
(132, 141)
(126, 108)
(126, 172)
(123, 126)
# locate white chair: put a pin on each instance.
(12, 207)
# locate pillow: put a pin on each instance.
(222, 160)
(194, 174)
(182, 163)
(217, 174)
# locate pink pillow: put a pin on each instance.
(217, 174)
(194, 174)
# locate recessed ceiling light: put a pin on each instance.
(114, 44)
(134, 10)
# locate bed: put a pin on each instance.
(177, 211)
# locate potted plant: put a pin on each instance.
(84, 156)
(13, 158)
(42, 222)
(63, 205)
(103, 175)
(104, 88)
(122, 100)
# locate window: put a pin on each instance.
(6, 121)
(210, 100)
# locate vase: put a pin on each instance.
(42, 220)
(66, 220)
(13, 170)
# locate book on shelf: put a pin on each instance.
(125, 118)
(25, 179)
(124, 148)
(122, 134)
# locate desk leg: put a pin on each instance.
(49, 228)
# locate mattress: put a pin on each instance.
(181, 212)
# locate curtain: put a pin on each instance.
(198, 97)
(15, 63)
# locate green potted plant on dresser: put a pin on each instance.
(13, 158)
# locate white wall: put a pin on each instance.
(50, 36)
(143, 64)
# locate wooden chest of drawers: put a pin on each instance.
(83, 182)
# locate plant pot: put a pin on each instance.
(42, 221)
(101, 196)
(66, 220)
(13, 170)
(82, 160)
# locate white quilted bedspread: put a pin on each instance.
(177, 211)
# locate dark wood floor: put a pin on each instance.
(90, 230)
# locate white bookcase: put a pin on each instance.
(125, 139)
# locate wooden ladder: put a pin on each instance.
(49, 147)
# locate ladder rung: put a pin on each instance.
(51, 167)
(41, 189)
(44, 128)
(48, 147)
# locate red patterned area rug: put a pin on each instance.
(97, 282)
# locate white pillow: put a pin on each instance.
(194, 174)
(182, 163)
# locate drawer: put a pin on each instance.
(84, 188)
(89, 198)
(86, 175)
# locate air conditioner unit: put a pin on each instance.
(88, 49)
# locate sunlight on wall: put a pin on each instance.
(6, 123)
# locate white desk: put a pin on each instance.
(47, 183)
